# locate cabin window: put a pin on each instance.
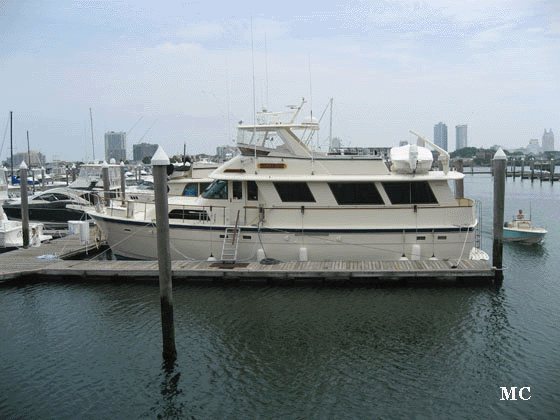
(418, 192)
(218, 190)
(236, 190)
(292, 192)
(191, 189)
(184, 214)
(252, 191)
(355, 193)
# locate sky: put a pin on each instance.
(186, 72)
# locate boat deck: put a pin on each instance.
(49, 262)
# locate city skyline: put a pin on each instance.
(172, 72)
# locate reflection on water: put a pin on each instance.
(82, 351)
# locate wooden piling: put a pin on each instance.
(105, 175)
(24, 204)
(459, 184)
(43, 177)
(123, 182)
(160, 161)
(552, 171)
(499, 164)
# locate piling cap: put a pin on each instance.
(500, 155)
(23, 165)
(160, 157)
(104, 164)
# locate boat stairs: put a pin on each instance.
(56, 261)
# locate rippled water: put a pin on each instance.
(93, 351)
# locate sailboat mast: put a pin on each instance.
(11, 144)
(92, 143)
(28, 151)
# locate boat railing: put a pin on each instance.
(144, 210)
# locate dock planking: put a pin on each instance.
(50, 262)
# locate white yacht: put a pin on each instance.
(3, 186)
(281, 200)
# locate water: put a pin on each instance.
(85, 351)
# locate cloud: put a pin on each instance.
(187, 48)
(489, 36)
(202, 30)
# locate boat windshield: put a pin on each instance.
(217, 190)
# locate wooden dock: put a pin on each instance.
(49, 262)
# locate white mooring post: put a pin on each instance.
(24, 204)
(499, 164)
(160, 161)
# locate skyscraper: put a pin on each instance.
(440, 135)
(143, 150)
(548, 141)
(460, 136)
(115, 146)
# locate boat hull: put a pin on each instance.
(530, 236)
(137, 240)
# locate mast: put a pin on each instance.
(28, 151)
(92, 144)
(11, 145)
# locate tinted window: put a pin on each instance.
(191, 189)
(409, 192)
(217, 190)
(236, 190)
(188, 214)
(294, 192)
(355, 193)
(252, 191)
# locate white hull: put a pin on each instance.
(137, 240)
(11, 234)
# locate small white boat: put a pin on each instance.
(11, 233)
(520, 229)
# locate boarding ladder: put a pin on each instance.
(478, 229)
(231, 242)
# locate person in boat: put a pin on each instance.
(520, 215)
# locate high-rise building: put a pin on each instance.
(440, 135)
(115, 146)
(143, 150)
(533, 147)
(548, 141)
(460, 136)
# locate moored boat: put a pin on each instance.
(282, 200)
(522, 230)
(54, 207)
